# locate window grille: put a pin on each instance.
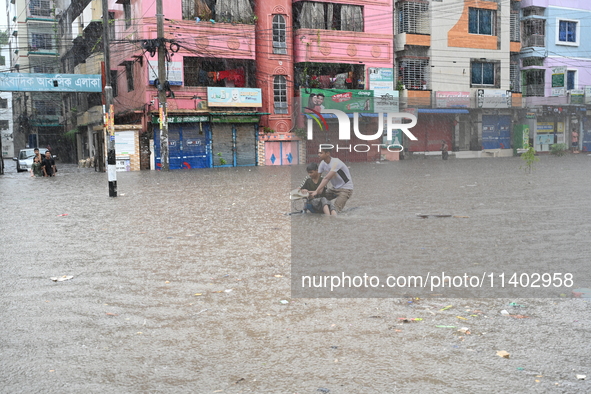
(534, 33)
(514, 76)
(413, 73)
(280, 94)
(515, 32)
(413, 17)
(533, 83)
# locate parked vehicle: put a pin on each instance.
(24, 161)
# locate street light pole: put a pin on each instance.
(163, 110)
(108, 109)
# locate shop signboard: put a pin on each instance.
(452, 99)
(577, 96)
(381, 79)
(493, 98)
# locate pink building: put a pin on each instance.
(265, 51)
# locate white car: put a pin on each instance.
(24, 161)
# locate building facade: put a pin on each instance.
(556, 71)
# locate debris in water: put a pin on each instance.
(502, 353)
(61, 278)
(284, 302)
(581, 377)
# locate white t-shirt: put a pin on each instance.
(342, 180)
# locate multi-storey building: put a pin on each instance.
(38, 115)
(81, 52)
(555, 71)
(6, 121)
(457, 63)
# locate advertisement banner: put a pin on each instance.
(348, 101)
(234, 97)
(558, 81)
(174, 72)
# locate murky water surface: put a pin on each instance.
(178, 282)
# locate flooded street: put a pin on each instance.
(183, 283)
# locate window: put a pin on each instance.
(570, 79)
(533, 83)
(114, 83)
(568, 32)
(481, 21)
(40, 7)
(233, 11)
(328, 16)
(44, 69)
(112, 25)
(41, 41)
(280, 94)
(483, 73)
(127, 13)
(202, 71)
(413, 73)
(129, 73)
(413, 17)
(44, 107)
(279, 45)
(2, 61)
(3, 103)
(3, 125)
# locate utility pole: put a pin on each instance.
(108, 108)
(163, 110)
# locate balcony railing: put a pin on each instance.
(534, 40)
(533, 90)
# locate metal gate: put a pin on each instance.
(187, 146)
(496, 132)
(234, 145)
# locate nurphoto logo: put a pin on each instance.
(393, 123)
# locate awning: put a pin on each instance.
(443, 111)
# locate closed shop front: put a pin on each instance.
(234, 141)
(430, 130)
(188, 142)
(586, 135)
(496, 132)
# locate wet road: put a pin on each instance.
(177, 284)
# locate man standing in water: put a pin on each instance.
(338, 175)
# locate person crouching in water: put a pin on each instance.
(319, 203)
